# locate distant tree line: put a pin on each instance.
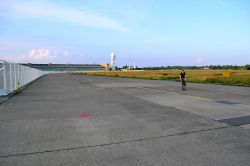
(248, 66)
(213, 67)
(168, 67)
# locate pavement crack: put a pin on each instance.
(113, 143)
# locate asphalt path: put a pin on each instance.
(73, 120)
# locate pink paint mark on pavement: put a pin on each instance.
(84, 115)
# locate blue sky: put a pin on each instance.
(153, 32)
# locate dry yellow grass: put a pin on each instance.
(226, 77)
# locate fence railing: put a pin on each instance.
(14, 76)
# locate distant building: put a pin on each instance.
(107, 66)
(67, 67)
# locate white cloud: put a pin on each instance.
(34, 55)
(40, 54)
(66, 14)
(66, 55)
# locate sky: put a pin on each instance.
(151, 32)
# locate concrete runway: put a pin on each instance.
(75, 120)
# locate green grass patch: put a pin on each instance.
(18, 91)
(235, 77)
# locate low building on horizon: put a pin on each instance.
(67, 67)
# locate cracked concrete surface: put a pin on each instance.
(130, 122)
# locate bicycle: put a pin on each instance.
(183, 84)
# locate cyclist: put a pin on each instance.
(183, 80)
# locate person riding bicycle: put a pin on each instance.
(183, 79)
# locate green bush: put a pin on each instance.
(19, 90)
(248, 66)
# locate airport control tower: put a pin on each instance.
(113, 61)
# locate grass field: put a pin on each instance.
(225, 77)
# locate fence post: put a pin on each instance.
(18, 75)
(11, 88)
(15, 79)
(25, 74)
(21, 76)
(4, 77)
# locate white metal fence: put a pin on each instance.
(13, 76)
